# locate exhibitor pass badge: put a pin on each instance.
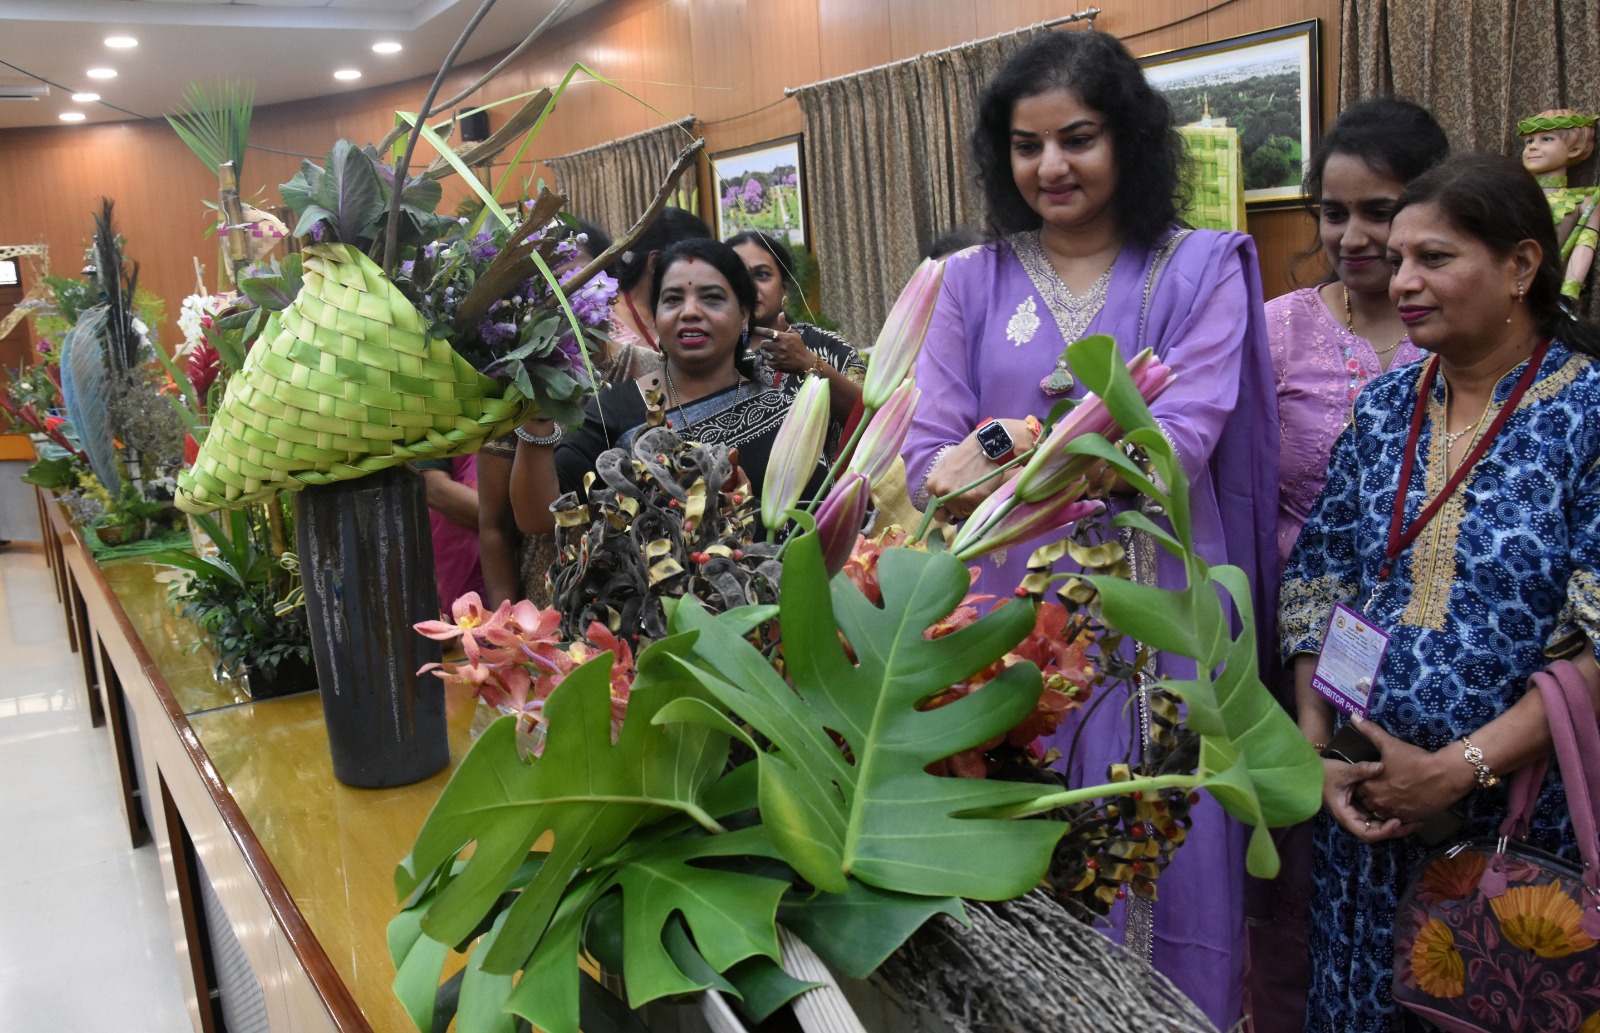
(1347, 667)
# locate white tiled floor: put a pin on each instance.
(85, 942)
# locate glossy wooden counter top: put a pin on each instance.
(303, 865)
(171, 641)
(334, 847)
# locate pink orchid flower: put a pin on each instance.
(472, 624)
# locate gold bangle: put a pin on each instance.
(1319, 747)
(817, 365)
(1474, 756)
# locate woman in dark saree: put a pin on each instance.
(710, 389)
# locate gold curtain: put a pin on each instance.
(612, 183)
(887, 171)
(1479, 65)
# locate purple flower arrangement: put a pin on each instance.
(483, 291)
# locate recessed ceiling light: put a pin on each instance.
(347, 73)
(102, 73)
(85, 98)
(121, 42)
(72, 116)
(386, 48)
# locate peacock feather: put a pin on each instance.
(85, 388)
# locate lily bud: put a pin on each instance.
(902, 335)
(1052, 468)
(839, 519)
(1003, 519)
(880, 442)
(795, 451)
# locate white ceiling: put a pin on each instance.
(288, 48)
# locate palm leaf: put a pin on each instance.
(214, 122)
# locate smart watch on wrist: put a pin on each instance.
(996, 441)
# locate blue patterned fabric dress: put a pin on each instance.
(1505, 577)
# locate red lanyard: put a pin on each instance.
(643, 333)
(1401, 537)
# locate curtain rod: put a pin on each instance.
(1087, 14)
(685, 122)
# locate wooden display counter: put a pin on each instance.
(239, 799)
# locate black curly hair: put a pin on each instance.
(726, 261)
(1494, 200)
(1149, 155)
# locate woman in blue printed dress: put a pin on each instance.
(1501, 428)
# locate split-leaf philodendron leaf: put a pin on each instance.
(639, 866)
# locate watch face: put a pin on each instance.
(994, 439)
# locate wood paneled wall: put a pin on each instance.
(726, 61)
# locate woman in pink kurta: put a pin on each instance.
(1326, 343)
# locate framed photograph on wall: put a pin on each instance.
(761, 188)
(1266, 85)
(10, 275)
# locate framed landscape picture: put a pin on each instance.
(1267, 87)
(760, 188)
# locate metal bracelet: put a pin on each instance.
(546, 439)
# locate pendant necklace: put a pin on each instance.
(1074, 314)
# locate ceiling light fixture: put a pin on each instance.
(386, 48)
(85, 98)
(102, 73)
(121, 42)
(347, 73)
(72, 116)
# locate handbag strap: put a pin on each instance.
(1570, 715)
(1570, 712)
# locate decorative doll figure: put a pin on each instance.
(1552, 142)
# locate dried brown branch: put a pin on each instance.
(391, 248)
(512, 265)
(499, 140)
(624, 242)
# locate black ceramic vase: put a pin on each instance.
(366, 558)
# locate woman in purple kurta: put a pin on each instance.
(1080, 167)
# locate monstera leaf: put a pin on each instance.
(620, 816)
(876, 814)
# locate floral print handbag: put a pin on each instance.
(1493, 935)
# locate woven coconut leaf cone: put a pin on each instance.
(344, 382)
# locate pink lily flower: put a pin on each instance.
(1052, 468)
(795, 452)
(903, 332)
(1003, 519)
(880, 443)
(839, 519)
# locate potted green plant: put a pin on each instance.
(249, 603)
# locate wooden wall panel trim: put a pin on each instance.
(726, 61)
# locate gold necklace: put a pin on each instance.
(1350, 325)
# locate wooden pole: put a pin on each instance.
(234, 245)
